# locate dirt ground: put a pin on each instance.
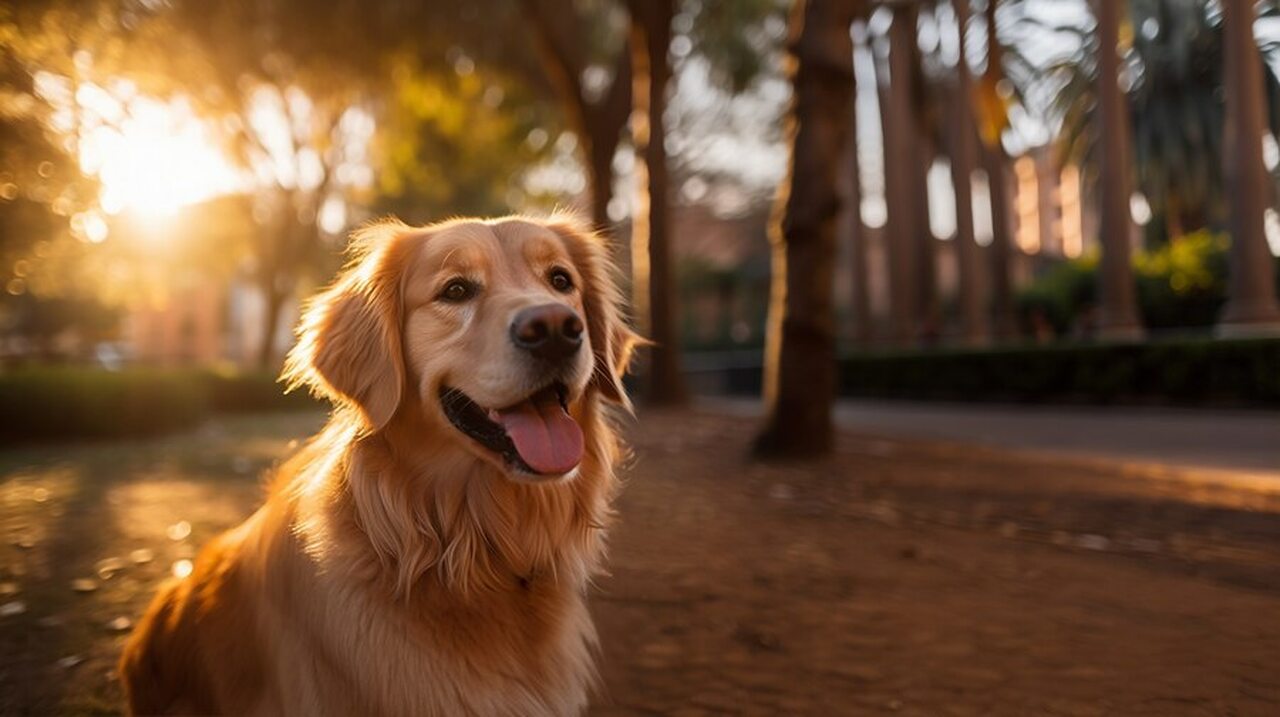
(895, 577)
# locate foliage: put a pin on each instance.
(1182, 284)
(457, 143)
(40, 181)
(733, 36)
(291, 94)
(1061, 294)
(68, 402)
(1175, 65)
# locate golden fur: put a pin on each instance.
(396, 567)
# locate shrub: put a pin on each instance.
(229, 391)
(75, 402)
(56, 402)
(1061, 294)
(1187, 372)
(1183, 284)
(1191, 372)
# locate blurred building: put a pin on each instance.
(1049, 214)
(202, 325)
(723, 262)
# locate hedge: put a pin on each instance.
(231, 392)
(1189, 372)
(71, 402)
(68, 402)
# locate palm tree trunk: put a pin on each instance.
(856, 234)
(925, 280)
(1118, 315)
(925, 275)
(973, 320)
(1251, 305)
(800, 367)
(900, 154)
(996, 163)
(652, 261)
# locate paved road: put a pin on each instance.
(1237, 441)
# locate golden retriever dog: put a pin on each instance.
(428, 552)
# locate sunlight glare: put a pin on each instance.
(156, 161)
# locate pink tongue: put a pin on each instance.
(545, 436)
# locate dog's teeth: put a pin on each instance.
(493, 415)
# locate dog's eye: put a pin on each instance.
(560, 280)
(458, 290)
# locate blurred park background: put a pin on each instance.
(1003, 272)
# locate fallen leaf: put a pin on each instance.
(84, 585)
(108, 567)
(179, 530)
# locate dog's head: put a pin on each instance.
(494, 332)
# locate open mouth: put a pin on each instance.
(536, 435)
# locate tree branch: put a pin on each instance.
(554, 33)
(615, 108)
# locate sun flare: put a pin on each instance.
(156, 161)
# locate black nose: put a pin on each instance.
(552, 332)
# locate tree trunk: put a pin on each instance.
(900, 156)
(558, 37)
(602, 127)
(273, 300)
(278, 244)
(1251, 304)
(928, 318)
(996, 163)
(1118, 312)
(924, 278)
(856, 234)
(653, 269)
(599, 169)
(800, 367)
(973, 320)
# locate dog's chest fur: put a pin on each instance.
(343, 644)
(501, 654)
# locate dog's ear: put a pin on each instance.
(612, 341)
(349, 348)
